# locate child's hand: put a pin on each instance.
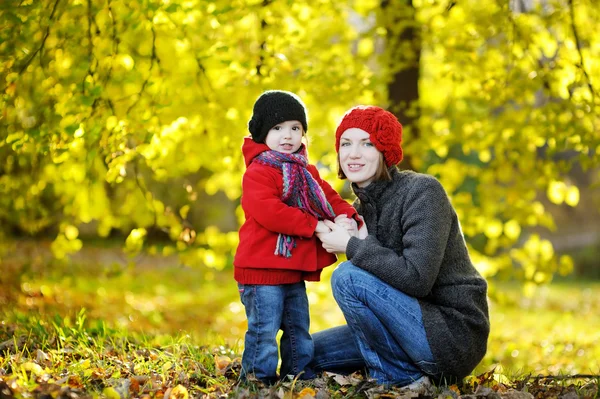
(322, 228)
(349, 224)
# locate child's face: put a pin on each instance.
(285, 137)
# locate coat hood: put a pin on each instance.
(251, 149)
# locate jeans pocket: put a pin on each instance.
(245, 290)
(430, 368)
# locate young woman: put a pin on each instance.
(415, 306)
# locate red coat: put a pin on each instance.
(267, 216)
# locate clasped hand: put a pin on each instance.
(335, 235)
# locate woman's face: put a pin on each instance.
(359, 158)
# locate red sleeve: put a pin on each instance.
(340, 206)
(261, 200)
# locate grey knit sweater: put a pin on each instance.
(415, 244)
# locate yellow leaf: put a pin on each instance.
(365, 47)
(572, 196)
(111, 122)
(71, 232)
(179, 392)
(546, 250)
(221, 363)
(565, 265)
(306, 393)
(166, 367)
(184, 211)
(512, 229)
(111, 393)
(33, 368)
(135, 240)
(556, 192)
(126, 61)
(493, 228)
(485, 156)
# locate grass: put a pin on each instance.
(97, 329)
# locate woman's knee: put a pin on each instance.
(342, 276)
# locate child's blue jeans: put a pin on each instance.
(270, 308)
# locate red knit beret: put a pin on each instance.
(385, 132)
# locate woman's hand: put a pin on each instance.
(363, 232)
(347, 223)
(336, 240)
(321, 228)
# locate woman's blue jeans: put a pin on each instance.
(385, 331)
(270, 308)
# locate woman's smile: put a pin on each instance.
(355, 167)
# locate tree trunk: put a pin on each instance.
(403, 47)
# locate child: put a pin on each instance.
(285, 202)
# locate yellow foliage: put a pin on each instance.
(113, 121)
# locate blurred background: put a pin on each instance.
(120, 162)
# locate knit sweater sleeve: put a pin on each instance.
(261, 200)
(338, 204)
(426, 220)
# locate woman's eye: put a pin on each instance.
(344, 144)
(368, 144)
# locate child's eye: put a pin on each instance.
(296, 128)
(276, 128)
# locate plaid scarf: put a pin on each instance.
(300, 190)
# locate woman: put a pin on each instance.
(414, 304)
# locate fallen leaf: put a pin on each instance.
(33, 368)
(221, 363)
(344, 380)
(179, 392)
(111, 393)
(454, 388)
(306, 393)
(74, 382)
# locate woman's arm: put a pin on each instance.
(426, 221)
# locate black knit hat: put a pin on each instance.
(272, 108)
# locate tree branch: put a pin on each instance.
(90, 46)
(115, 40)
(154, 59)
(41, 47)
(578, 44)
(263, 45)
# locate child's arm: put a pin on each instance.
(261, 201)
(340, 206)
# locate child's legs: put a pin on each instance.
(264, 308)
(297, 347)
